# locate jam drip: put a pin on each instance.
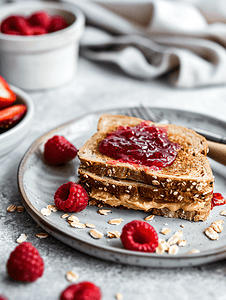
(217, 200)
(143, 145)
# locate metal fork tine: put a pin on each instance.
(145, 113)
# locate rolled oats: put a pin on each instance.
(182, 243)
(165, 230)
(42, 235)
(89, 225)
(223, 213)
(113, 234)
(77, 225)
(173, 249)
(21, 238)
(217, 225)
(64, 216)
(45, 212)
(20, 209)
(96, 234)
(149, 218)
(162, 247)
(73, 218)
(175, 238)
(118, 296)
(194, 251)
(104, 211)
(115, 221)
(12, 208)
(211, 233)
(72, 276)
(53, 208)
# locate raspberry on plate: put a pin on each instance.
(81, 291)
(25, 263)
(58, 150)
(3, 297)
(138, 235)
(71, 197)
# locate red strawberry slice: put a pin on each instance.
(7, 96)
(10, 116)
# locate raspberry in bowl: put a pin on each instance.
(46, 56)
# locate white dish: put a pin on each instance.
(38, 182)
(10, 139)
(44, 61)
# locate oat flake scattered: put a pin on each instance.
(45, 212)
(211, 233)
(113, 234)
(223, 213)
(77, 225)
(173, 250)
(53, 208)
(182, 243)
(12, 208)
(73, 218)
(104, 211)
(149, 218)
(20, 209)
(118, 296)
(72, 276)
(194, 251)
(115, 221)
(175, 238)
(89, 225)
(165, 230)
(42, 235)
(64, 216)
(96, 234)
(21, 238)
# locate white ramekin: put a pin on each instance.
(44, 61)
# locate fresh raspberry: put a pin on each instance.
(3, 297)
(16, 23)
(138, 235)
(37, 30)
(25, 263)
(40, 19)
(81, 291)
(58, 150)
(57, 23)
(71, 197)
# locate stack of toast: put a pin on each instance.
(183, 189)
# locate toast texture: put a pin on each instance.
(182, 190)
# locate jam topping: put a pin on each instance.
(143, 144)
(217, 200)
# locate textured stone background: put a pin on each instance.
(93, 88)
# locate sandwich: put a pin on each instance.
(135, 164)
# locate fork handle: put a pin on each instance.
(217, 152)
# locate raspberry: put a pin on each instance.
(57, 23)
(71, 197)
(58, 150)
(81, 291)
(25, 263)
(139, 236)
(3, 297)
(40, 19)
(16, 23)
(37, 30)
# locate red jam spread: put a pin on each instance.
(217, 199)
(143, 144)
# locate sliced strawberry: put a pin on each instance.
(7, 96)
(10, 116)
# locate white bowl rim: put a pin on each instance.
(28, 116)
(78, 24)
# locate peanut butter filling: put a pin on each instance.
(135, 202)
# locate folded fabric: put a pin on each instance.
(185, 41)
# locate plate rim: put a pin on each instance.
(50, 225)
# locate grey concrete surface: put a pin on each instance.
(93, 88)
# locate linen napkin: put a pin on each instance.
(182, 40)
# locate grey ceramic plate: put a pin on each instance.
(38, 182)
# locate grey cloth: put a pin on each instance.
(177, 39)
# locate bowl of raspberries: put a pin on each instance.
(39, 43)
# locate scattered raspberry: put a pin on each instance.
(58, 150)
(71, 197)
(139, 236)
(81, 291)
(57, 23)
(25, 263)
(40, 19)
(3, 297)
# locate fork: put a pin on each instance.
(216, 151)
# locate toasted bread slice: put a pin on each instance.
(142, 190)
(189, 171)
